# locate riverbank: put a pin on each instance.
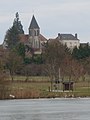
(41, 88)
(40, 95)
(32, 90)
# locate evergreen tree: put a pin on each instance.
(12, 37)
(20, 49)
(82, 52)
(18, 24)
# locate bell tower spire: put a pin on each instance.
(34, 27)
(34, 32)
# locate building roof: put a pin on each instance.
(84, 44)
(33, 23)
(67, 37)
(24, 38)
(42, 38)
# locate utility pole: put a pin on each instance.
(59, 82)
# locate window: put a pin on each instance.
(37, 32)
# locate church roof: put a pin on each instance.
(42, 38)
(33, 23)
(25, 38)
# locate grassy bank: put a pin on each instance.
(38, 87)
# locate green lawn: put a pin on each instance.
(31, 78)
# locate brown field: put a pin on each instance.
(39, 87)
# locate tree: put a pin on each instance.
(17, 24)
(12, 37)
(54, 55)
(83, 56)
(82, 52)
(86, 65)
(72, 69)
(37, 59)
(4, 82)
(14, 62)
(20, 49)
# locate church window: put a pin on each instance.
(30, 32)
(35, 32)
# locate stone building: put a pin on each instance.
(34, 33)
(69, 40)
(34, 39)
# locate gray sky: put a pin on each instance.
(53, 16)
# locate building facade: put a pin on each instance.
(34, 32)
(34, 39)
(69, 40)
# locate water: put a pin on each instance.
(46, 109)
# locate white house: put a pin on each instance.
(69, 40)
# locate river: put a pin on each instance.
(45, 109)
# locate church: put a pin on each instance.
(34, 39)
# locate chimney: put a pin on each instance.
(59, 36)
(76, 35)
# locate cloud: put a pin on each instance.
(53, 16)
(4, 18)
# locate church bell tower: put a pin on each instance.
(34, 32)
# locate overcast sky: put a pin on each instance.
(53, 16)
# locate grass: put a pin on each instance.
(38, 87)
(31, 78)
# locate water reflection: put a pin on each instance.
(45, 109)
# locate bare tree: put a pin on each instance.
(14, 62)
(4, 81)
(54, 55)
